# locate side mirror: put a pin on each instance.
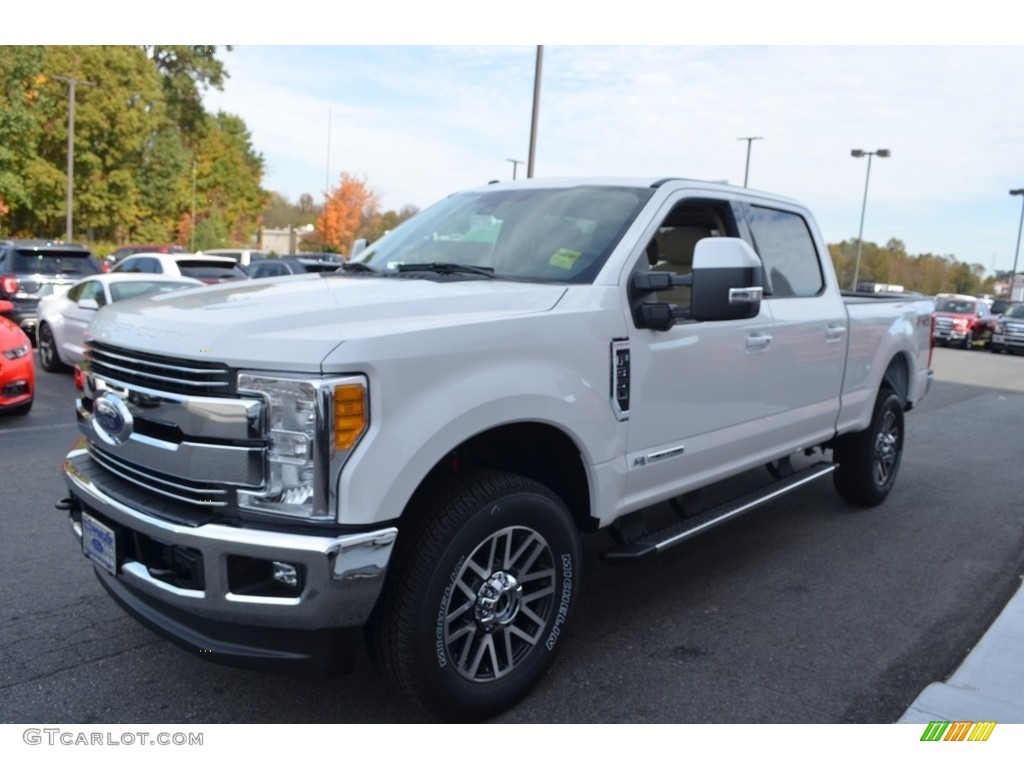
(88, 304)
(728, 280)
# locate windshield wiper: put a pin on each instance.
(447, 268)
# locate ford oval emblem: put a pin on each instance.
(111, 419)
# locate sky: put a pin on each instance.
(420, 122)
(421, 100)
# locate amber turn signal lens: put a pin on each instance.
(349, 415)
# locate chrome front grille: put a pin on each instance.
(170, 433)
(201, 494)
(157, 371)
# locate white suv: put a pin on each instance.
(209, 269)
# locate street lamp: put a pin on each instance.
(515, 164)
(1016, 253)
(536, 110)
(864, 205)
(750, 140)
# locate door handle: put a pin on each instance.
(758, 340)
(835, 332)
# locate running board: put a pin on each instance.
(659, 541)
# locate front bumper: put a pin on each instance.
(1008, 341)
(945, 336)
(210, 606)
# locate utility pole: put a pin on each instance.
(72, 82)
(515, 164)
(192, 228)
(750, 140)
(536, 110)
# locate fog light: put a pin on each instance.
(286, 574)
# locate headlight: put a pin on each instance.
(1000, 327)
(311, 426)
(14, 354)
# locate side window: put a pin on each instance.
(149, 265)
(75, 293)
(93, 290)
(784, 243)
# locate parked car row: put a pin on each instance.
(32, 269)
(50, 292)
(972, 321)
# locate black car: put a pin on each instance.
(31, 269)
(291, 266)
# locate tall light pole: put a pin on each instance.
(72, 82)
(515, 164)
(864, 205)
(192, 228)
(536, 110)
(750, 140)
(1016, 253)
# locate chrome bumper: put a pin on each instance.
(343, 575)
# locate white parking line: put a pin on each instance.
(33, 429)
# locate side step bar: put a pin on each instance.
(659, 541)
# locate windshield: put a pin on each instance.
(551, 235)
(955, 305)
(130, 290)
(1015, 311)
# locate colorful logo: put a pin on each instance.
(958, 730)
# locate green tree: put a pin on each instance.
(19, 128)
(229, 174)
(187, 71)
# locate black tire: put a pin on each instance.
(870, 460)
(48, 357)
(478, 595)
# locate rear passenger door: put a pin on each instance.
(810, 332)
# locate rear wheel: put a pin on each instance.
(48, 356)
(478, 596)
(869, 460)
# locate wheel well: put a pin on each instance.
(897, 378)
(537, 451)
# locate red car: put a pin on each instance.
(17, 366)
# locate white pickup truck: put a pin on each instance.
(412, 447)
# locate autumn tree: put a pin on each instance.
(140, 129)
(380, 224)
(346, 209)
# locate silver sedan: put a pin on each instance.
(60, 333)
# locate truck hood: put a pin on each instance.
(292, 323)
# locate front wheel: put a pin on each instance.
(969, 340)
(869, 460)
(479, 594)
